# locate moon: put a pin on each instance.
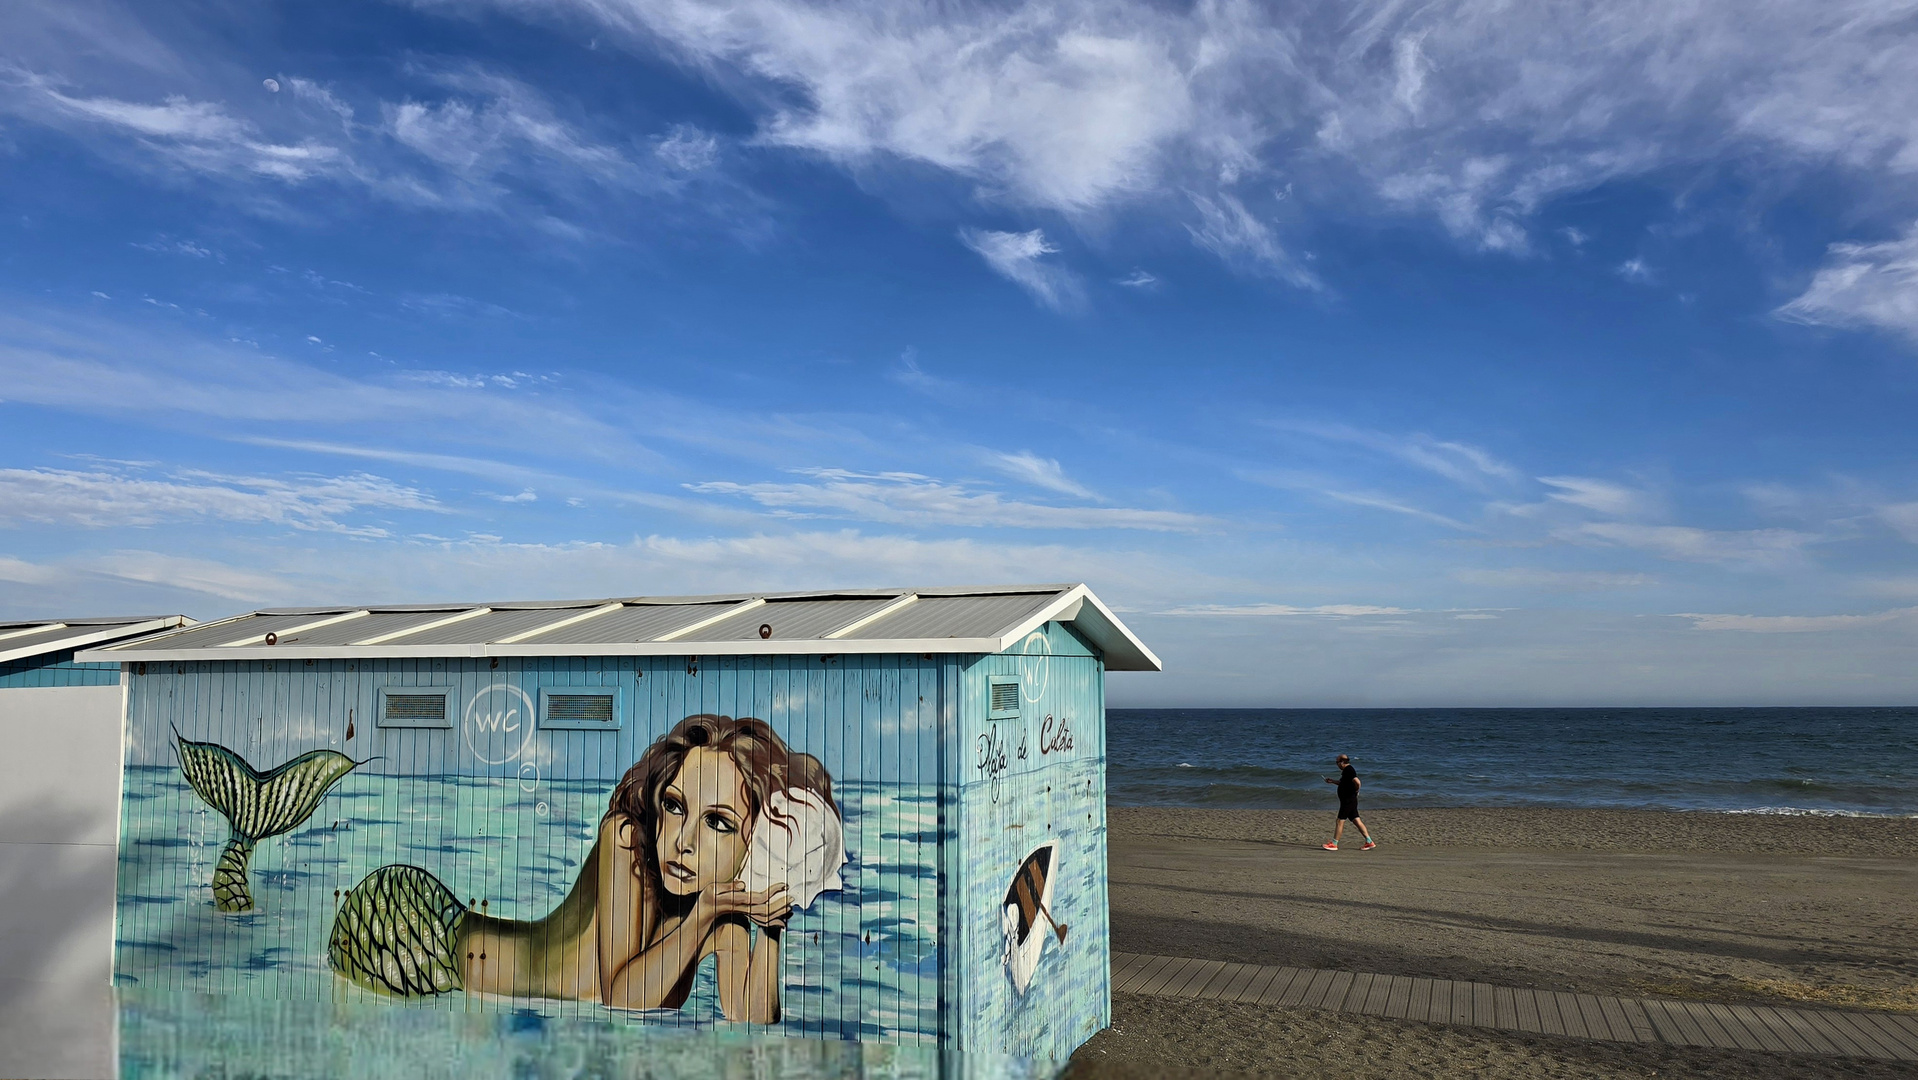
(272, 85)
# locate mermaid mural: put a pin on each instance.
(709, 843)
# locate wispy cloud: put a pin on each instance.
(1334, 611)
(1750, 547)
(1470, 112)
(1873, 285)
(101, 370)
(1230, 231)
(476, 141)
(1459, 462)
(100, 499)
(1139, 279)
(912, 499)
(1602, 496)
(1380, 502)
(1526, 577)
(1795, 624)
(912, 375)
(1041, 472)
(1019, 258)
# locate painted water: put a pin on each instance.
(859, 963)
(1773, 760)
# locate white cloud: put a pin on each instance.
(1474, 112)
(1230, 231)
(205, 576)
(1380, 502)
(1037, 471)
(1139, 279)
(1794, 624)
(1864, 285)
(1602, 496)
(1016, 257)
(1902, 517)
(480, 142)
(688, 149)
(1752, 547)
(1636, 271)
(96, 369)
(1461, 463)
(1525, 577)
(101, 499)
(912, 499)
(1336, 611)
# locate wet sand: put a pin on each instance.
(1709, 906)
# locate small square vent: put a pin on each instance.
(579, 709)
(1005, 698)
(410, 707)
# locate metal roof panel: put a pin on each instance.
(792, 620)
(954, 617)
(24, 640)
(637, 622)
(970, 620)
(489, 627)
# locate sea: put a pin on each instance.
(1828, 761)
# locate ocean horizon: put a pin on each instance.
(1850, 761)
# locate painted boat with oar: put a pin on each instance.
(1028, 911)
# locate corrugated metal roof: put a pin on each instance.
(969, 620)
(22, 640)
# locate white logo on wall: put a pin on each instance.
(499, 724)
(1035, 665)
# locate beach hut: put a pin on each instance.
(59, 810)
(871, 815)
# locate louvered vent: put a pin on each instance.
(579, 708)
(415, 707)
(1005, 699)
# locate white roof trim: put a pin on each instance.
(603, 609)
(1074, 605)
(1122, 649)
(298, 628)
(83, 637)
(424, 627)
(40, 629)
(736, 609)
(868, 620)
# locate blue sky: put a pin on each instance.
(1360, 355)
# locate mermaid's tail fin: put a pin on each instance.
(256, 805)
(398, 932)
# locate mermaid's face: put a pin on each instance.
(702, 823)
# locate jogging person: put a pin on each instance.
(1348, 782)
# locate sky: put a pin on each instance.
(1370, 354)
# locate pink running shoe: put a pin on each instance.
(1331, 847)
(1369, 845)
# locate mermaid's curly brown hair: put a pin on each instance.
(765, 765)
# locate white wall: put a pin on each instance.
(59, 815)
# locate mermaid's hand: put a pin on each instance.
(769, 908)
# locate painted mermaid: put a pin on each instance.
(708, 844)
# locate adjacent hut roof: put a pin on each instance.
(25, 640)
(964, 620)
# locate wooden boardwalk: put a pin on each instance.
(1781, 1029)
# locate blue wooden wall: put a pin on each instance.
(909, 951)
(56, 669)
(1029, 781)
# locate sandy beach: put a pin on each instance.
(1758, 908)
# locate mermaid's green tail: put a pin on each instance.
(256, 805)
(398, 932)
